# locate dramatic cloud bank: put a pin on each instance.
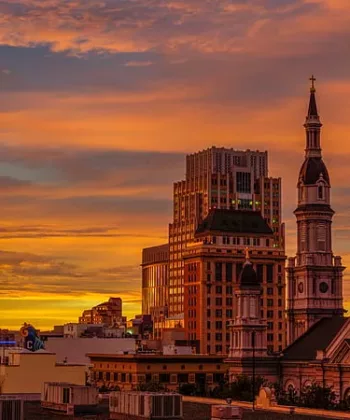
(101, 99)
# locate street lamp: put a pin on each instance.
(253, 375)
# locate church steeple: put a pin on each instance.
(315, 274)
(313, 125)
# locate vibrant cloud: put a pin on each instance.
(101, 99)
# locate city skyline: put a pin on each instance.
(87, 163)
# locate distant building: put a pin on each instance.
(129, 371)
(140, 327)
(108, 313)
(155, 285)
(213, 263)
(76, 330)
(73, 350)
(25, 372)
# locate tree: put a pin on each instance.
(317, 396)
(240, 389)
(188, 389)
(151, 387)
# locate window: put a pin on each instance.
(269, 314)
(208, 277)
(218, 337)
(208, 301)
(208, 325)
(164, 378)
(208, 336)
(229, 301)
(218, 325)
(228, 313)
(208, 265)
(239, 267)
(270, 325)
(229, 290)
(243, 182)
(228, 271)
(270, 291)
(269, 273)
(320, 192)
(218, 289)
(256, 241)
(218, 349)
(218, 271)
(270, 302)
(218, 313)
(269, 337)
(218, 301)
(66, 396)
(259, 272)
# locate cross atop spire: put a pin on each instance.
(313, 80)
(312, 112)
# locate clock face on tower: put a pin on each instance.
(300, 287)
(323, 287)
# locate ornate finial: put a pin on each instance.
(247, 254)
(313, 80)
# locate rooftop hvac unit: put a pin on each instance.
(11, 409)
(145, 405)
(69, 398)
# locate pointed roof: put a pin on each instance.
(234, 221)
(317, 337)
(312, 112)
(248, 277)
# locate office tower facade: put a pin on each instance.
(315, 275)
(218, 178)
(213, 263)
(155, 290)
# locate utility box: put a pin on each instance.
(145, 405)
(69, 398)
(226, 412)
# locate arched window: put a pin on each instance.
(320, 191)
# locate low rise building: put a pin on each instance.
(130, 371)
(73, 350)
(25, 372)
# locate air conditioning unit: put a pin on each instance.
(145, 405)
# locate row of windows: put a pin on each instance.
(218, 336)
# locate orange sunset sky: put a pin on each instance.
(101, 99)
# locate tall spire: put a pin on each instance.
(313, 125)
(312, 104)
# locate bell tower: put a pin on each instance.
(315, 275)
